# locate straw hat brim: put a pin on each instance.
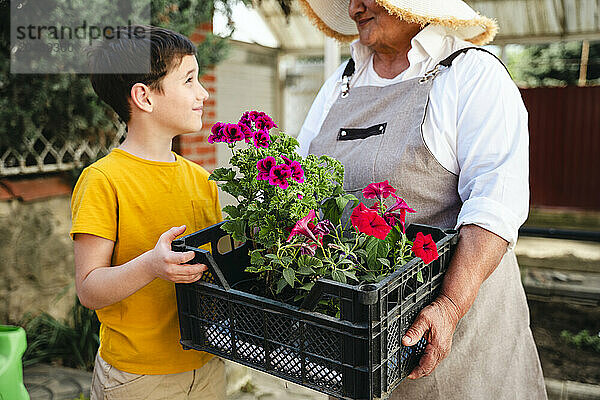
(331, 17)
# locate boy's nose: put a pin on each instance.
(202, 93)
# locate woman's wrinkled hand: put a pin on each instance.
(437, 323)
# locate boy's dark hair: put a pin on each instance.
(131, 46)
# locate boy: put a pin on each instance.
(128, 207)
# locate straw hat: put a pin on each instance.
(331, 17)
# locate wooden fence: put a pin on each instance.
(564, 125)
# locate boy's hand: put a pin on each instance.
(170, 265)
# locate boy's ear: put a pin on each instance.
(141, 97)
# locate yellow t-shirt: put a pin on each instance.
(132, 201)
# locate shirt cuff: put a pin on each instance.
(492, 216)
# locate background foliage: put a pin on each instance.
(555, 64)
(64, 106)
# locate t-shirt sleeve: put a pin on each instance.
(216, 202)
(94, 205)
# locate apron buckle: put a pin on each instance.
(345, 86)
(431, 74)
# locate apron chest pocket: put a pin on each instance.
(361, 133)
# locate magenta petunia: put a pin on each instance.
(401, 216)
(305, 227)
(261, 139)
(378, 190)
(279, 176)
(264, 168)
(296, 167)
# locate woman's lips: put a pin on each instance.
(363, 21)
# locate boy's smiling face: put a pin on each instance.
(178, 107)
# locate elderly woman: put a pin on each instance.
(420, 105)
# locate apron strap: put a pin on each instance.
(348, 72)
(446, 62)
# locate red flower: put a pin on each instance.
(424, 247)
(378, 190)
(369, 222)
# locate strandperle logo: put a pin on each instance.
(55, 36)
(82, 32)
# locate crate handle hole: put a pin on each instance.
(368, 287)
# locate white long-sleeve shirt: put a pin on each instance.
(475, 126)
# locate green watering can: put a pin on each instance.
(13, 343)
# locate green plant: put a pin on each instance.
(290, 209)
(73, 343)
(582, 340)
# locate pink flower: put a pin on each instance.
(259, 119)
(217, 133)
(261, 139)
(378, 190)
(246, 120)
(248, 135)
(296, 167)
(264, 122)
(305, 227)
(233, 133)
(308, 249)
(369, 222)
(279, 176)
(399, 205)
(264, 168)
(424, 247)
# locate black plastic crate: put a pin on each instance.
(358, 356)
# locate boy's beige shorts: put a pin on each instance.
(206, 383)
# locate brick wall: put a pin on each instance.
(195, 146)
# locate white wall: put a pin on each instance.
(246, 80)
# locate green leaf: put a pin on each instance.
(420, 276)
(384, 261)
(237, 229)
(290, 276)
(271, 256)
(341, 203)
(362, 253)
(338, 275)
(309, 262)
(306, 270)
(256, 258)
(222, 174)
(350, 197)
(376, 248)
(350, 274)
(281, 284)
(331, 211)
(232, 211)
(308, 287)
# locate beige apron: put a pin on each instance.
(376, 133)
